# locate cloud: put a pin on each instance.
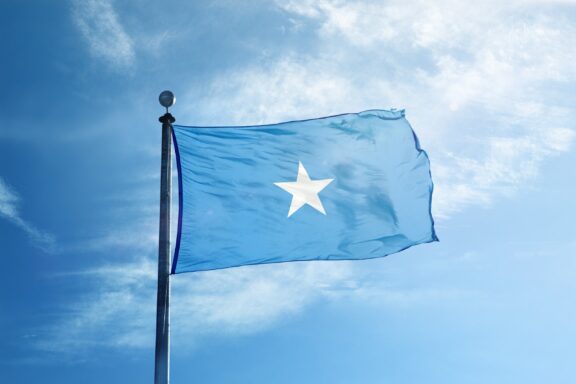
(274, 93)
(121, 312)
(100, 26)
(9, 209)
(134, 237)
(488, 86)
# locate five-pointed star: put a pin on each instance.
(304, 191)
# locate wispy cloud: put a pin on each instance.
(487, 87)
(9, 201)
(99, 24)
(121, 312)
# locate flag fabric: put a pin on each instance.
(352, 186)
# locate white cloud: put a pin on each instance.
(8, 200)
(100, 26)
(9, 209)
(482, 84)
(138, 236)
(261, 95)
(121, 312)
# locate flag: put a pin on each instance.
(352, 186)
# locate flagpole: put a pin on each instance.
(162, 357)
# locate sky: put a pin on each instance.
(488, 86)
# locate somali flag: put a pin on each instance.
(352, 186)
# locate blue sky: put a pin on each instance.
(488, 86)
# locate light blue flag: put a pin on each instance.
(353, 186)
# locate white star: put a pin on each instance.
(304, 191)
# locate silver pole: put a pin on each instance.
(162, 359)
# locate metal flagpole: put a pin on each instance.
(162, 359)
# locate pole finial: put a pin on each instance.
(167, 99)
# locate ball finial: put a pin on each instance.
(167, 99)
